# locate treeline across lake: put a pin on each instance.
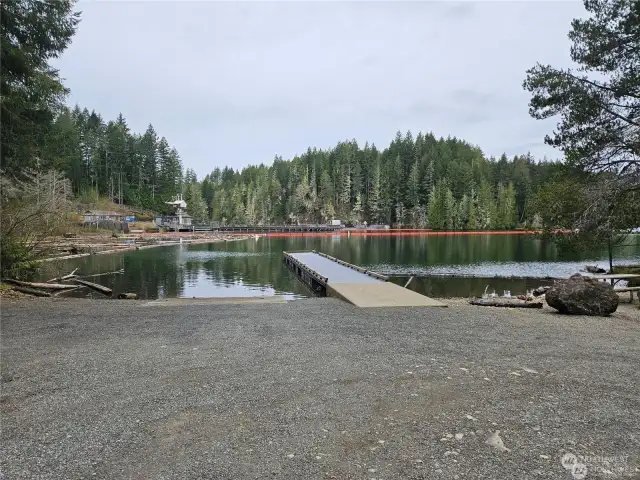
(421, 181)
(416, 181)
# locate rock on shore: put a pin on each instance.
(580, 295)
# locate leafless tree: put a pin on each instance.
(34, 207)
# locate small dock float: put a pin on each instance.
(327, 275)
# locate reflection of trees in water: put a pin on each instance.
(428, 250)
(257, 270)
(397, 250)
(155, 271)
(164, 271)
(446, 286)
(150, 272)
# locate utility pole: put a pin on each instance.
(106, 171)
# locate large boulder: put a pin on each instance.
(580, 295)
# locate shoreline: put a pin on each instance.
(125, 247)
(624, 307)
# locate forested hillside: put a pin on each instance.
(418, 182)
(105, 158)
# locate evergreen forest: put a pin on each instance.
(416, 181)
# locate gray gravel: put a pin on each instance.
(313, 389)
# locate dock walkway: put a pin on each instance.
(356, 285)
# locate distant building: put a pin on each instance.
(174, 222)
(94, 216)
(179, 219)
(104, 219)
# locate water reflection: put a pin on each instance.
(255, 268)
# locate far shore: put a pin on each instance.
(102, 244)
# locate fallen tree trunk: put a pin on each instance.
(46, 286)
(31, 291)
(65, 257)
(64, 277)
(94, 286)
(64, 292)
(117, 272)
(504, 302)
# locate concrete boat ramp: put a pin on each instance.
(326, 275)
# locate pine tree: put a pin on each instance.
(356, 212)
(413, 186)
(196, 207)
(33, 32)
(463, 213)
(450, 211)
(506, 215)
(439, 212)
(399, 187)
(375, 200)
(429, 180)
(472, 213)
(487, 212)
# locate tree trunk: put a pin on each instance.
(46, 286)
(610, 259)
(504, 302)
(31, 291)
(95, 286)
(64, 277)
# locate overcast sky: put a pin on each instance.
(234, 83)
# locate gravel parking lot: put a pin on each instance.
(314, 389)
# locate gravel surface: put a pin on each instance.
(314, 389)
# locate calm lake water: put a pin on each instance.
(443, 265)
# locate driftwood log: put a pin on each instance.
(117, 272)
(60, 293)
(64, 277)
(31, 291)
(65, 257)
(94, 286)
(46, 286)
(128, 296)
(504, 302)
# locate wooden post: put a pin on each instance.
(610, 259)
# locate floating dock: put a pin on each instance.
(327, 275)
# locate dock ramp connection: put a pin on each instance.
(327, 275)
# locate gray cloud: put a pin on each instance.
(236, 82)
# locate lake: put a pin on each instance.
(443, 265)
